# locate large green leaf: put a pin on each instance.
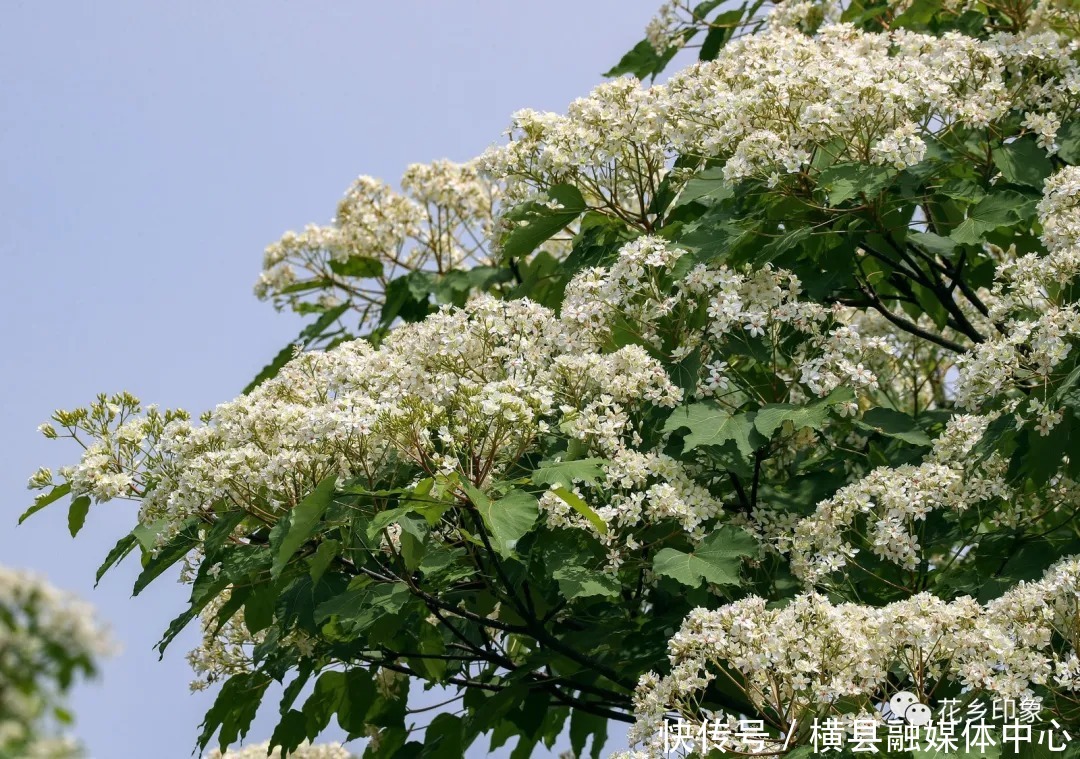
(234, 709)
(718, 559)
(363, 267)
(643, 61)
(1023, 162)
(301, 522)
(993, 211)
(175, 549)
(290, 732)
(576, 581)
(327, 551)
(506, 519)
(566, 473)
(895, 424)
(259, 608)
(583, 725)
(45, 499)
(357, 609)
(706, 187)
(574, 501)
(324, 702)
(709, 424)
(1068, 138)
(850, 180)
(77, 514)
(536, 222)
(933, 243)
(773, 415)
(297, 602)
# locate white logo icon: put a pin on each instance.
(905, 705)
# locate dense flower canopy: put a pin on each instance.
(744, 394)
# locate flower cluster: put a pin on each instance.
(303, 751)
(882, 510)
(740, 308)
(439, 221)
(770, 101)
(773, 101)
(46, 637)
(793, 661)
(1037, 323)
(465, 392)
(225, 649)
(638, 489)
(610, 145)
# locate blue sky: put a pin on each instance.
(148, 153)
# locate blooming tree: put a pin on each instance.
(744, 395)
(48, 638)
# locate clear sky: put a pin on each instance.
(148, 153)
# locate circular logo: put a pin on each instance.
(900, 702)
(918, 715)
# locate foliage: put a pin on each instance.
(768, 364)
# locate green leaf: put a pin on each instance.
(534, 222)
(147, 534)
(122, 548)
(199, 599)
(302, 521)
(642, 61)
(324, 554)
(324, 702)
(444, 738)
(1068, 139)
(177, 548)
(259, 608)
(403, 299)
(574, 501)
(718, 559)
(788, 240)
(707, 187)
(566, 473)
(290, 732)
(77, 512)
(413, 539)
(845, 181)
(357, 609)
(918, 15)
(225, 525)
(292, 691)
(234, 709)
(932, 243)
(45, 499)
(297, 602)
(582, 725)
(1023, 162)
(962, 189)
(360, 694)
(576, 581)
(771, 416)
(507, 519)
(362, 267)
(997, 210)
(709, 424)
(894, 424)
(722, 29)
(446, 566)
